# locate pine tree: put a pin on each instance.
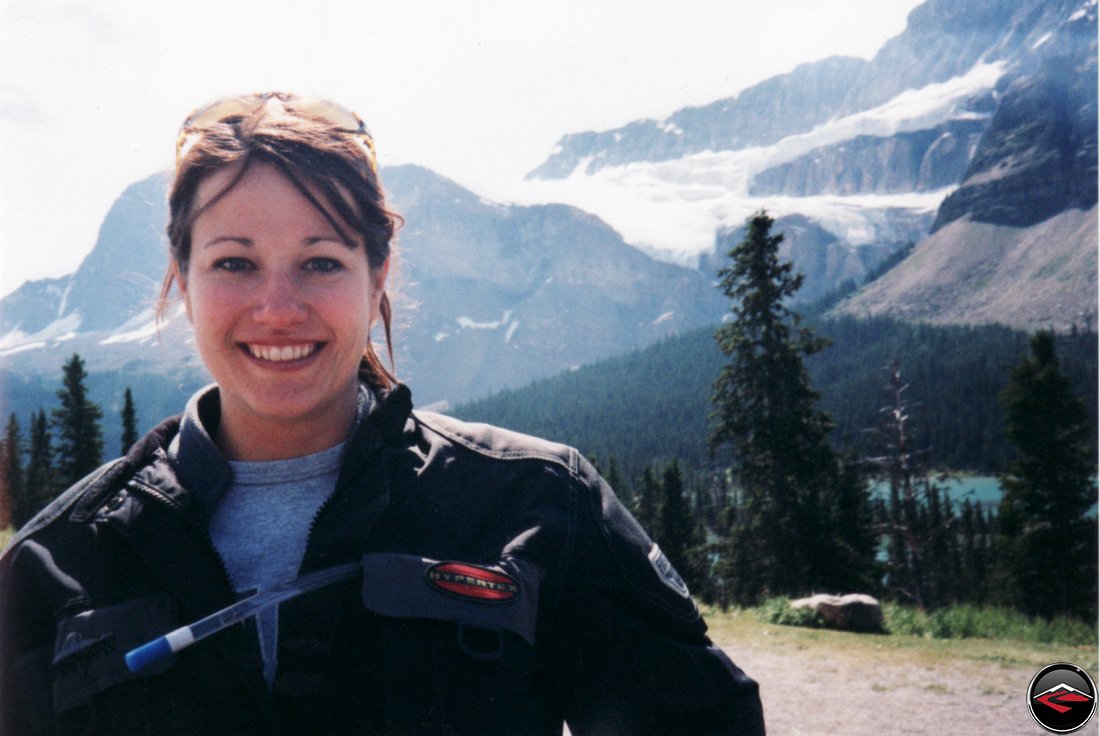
(648, 501)
(12, 473)
(1047, 544)
(129, 422)
(80, 437)
(676, 531)
(765, 413)
(855, 535)
(39, 486)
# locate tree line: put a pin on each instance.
(780, 507)
(62, 447)
(652, 405)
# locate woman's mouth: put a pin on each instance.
(281, 353)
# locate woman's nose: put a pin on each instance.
(280, 302)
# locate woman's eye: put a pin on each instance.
(232, 265)
(324, 265)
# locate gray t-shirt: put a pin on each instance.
(260, 512)
(261, 524)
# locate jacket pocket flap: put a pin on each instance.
(91, 645)
(502, 595)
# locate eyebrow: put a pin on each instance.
(331, 239)
(248, 242)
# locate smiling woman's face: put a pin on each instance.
(282, 308)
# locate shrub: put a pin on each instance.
(778, 611)
(971, 622)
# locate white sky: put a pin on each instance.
(92, 93)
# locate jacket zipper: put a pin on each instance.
(342, 486)
(151, 492)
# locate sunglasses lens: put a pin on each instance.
(219, 110)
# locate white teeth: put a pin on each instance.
(277, 354)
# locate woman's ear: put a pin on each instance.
(378, 289)
(181, 283)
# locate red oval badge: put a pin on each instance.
(472, 582)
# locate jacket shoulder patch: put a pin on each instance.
(667, 573)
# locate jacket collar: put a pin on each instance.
(204, 472)
(194, 457)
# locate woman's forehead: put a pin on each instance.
(263, 189)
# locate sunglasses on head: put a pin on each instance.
(340, 117)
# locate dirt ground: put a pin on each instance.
(833, 683)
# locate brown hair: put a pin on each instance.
(308, 151)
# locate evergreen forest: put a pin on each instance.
(653, 404)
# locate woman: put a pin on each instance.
(499, 586)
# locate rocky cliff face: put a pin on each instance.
(761, 115)
(825, 261)
(944, 39)
(1038, 157)
(917, 161)
(501, 295)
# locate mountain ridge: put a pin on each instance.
(494, 292)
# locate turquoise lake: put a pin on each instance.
(984, 490)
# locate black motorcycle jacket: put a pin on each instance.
(505, 590)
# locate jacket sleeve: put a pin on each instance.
(630, 652)
(26, 648)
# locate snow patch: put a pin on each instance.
(64, 300)
(663, 318)
(60, 329)
(1046, 37)
(497, 206)
(21, 348)
(1083, 11)
(466, 323)
(138, 329)
(511, 331)
(144, 332)
(441, 336)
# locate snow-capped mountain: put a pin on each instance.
(498, 295)
(971, 135)
(979, 111)
(944, 40)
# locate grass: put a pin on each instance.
(969, 622)
(953, 622)
(982, 636)
(750, 627)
